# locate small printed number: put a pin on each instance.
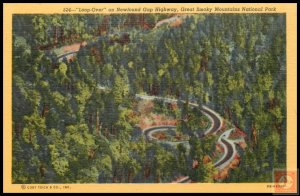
(67, 10)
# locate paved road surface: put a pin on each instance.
(216, 123)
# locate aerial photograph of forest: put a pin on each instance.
(148, 98)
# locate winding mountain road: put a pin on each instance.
(216, 124)
(149, 131)
(66, 55)
(229, 149)
(228, 154)
(215, 119)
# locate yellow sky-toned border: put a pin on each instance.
(42, 8)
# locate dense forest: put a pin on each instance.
(75, 120)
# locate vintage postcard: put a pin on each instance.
(150, 98)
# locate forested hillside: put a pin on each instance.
(75, 120)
